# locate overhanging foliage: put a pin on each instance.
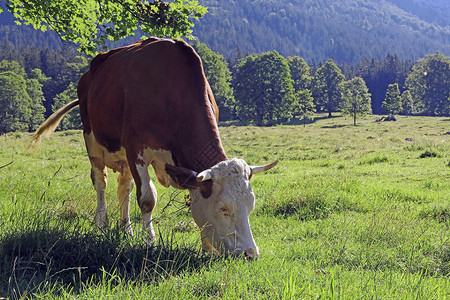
(89, 23)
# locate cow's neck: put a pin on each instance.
(201, 147)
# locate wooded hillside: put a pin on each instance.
(345, 30)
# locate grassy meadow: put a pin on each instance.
(350, 212)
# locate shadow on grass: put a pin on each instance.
(292, 121)
(38, 259)
(334, 126)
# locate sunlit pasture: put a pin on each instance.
(349, 212)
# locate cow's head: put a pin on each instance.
(222, 200)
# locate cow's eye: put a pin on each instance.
(223, 211)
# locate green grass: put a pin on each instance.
(350, 212)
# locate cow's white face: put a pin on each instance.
(223, 217)
(222, 200)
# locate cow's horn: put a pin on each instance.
(203, 176)
(259, 169)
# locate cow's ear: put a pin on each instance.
(184, 178)
(187, 179)
(206, 188)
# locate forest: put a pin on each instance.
(268, 62)
(262, 89)
(34, 82)
(345, 30)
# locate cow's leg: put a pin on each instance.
(98, 176)
(147, 204)
(146, 194)
(125, 181)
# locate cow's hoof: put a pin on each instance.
(150, 238)
(101, 220)
(126, 227)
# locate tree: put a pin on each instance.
(219, 78)
(15, 110)
(392, 103)
(21, 96)
(429, 84)
(69, 71)
(355, 98)
(303, 105)
(300, 73)
(327, 87)
(73, 119)
(65, 83)
(407, 103)
(34, 90)
(379, 74)
(263, 89)
(13, 66)
(89, 23)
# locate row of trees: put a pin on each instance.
(35, 82)
(270, 89)
(21, 106)
(265, 89)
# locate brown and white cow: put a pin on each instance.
(150, 103)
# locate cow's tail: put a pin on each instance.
(50, 124)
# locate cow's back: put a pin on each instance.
(147, 95)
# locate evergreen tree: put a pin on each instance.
(379, 74)
(327, 87)
(263, 89)
(392, 103)
(355, 98)
(8, 52)
(429, 84)
(32, 59)
(236, 58)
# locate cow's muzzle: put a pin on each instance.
(251, 253)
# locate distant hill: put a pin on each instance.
(24, 36)
(433, 11)
(346, 30)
